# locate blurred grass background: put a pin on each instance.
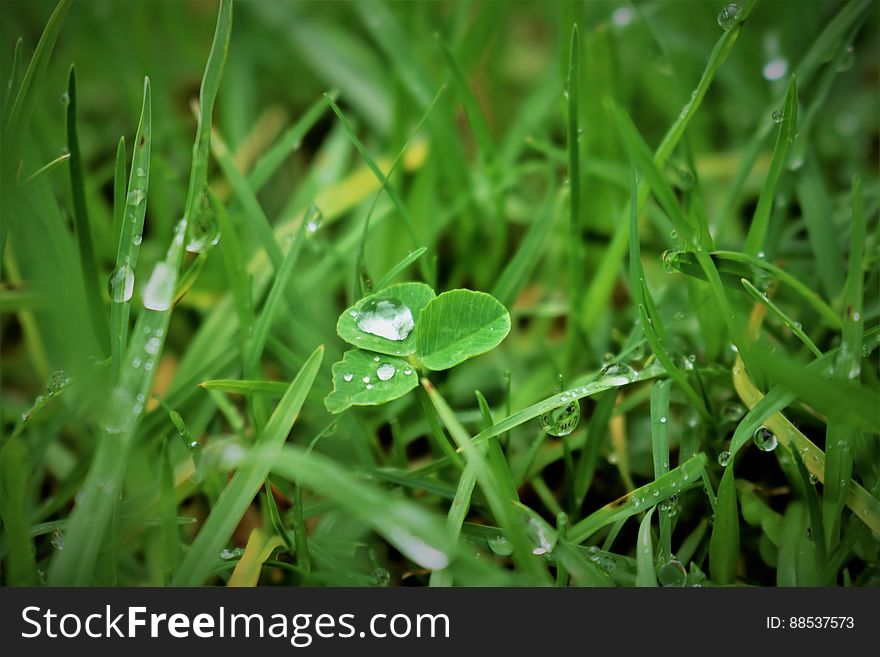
(473, 197)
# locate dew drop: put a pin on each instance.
(387, 318)
(375, 359)
(203, 226)
(380, 577)
(849, 58)
(141, 173)
(672, 573)
(562, 420)
(57, 380)
(724, 459)
(348, 377)
(776, 116)
(135, 196)
(814, 478)
(500, 545)
(65, 99)
(728, 16)
(57, 539)
(136, 240)
(314, 218)
(369, 386)
(386, 371)
(365, 379)
(121, 284)
(764, 439)
(407, 371)
(158, 293)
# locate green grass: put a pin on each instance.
(595, 191)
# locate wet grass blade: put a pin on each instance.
(417, 533)
(20, 564)
(589, 455)
(794, 327)
(573, 139)
(400, 267)
(491, 484)
(660, 451)
(130, 207)
(245, 387)
(646, 575)
(784, 140)
(25, 97)
(724, 542)
(247, 481)
(606, 274)
(82, 226)
(672, 483)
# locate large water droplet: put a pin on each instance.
(204, 227)
(158, 293)
(724, 459)
(135, 196)
(387, 318)
(57, 539)
(380, 577)
(672, 573)
(728, 16)
(385, 371)
(562, 420)
(57, 380)
(314, 218)
(765, 439)
(500, 545)
(121, 284)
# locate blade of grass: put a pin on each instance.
(22, 107)
(646, 575)
(724, 542)
(841, 438)
(603, 281)
(88, 522)
(130, 207)
(575, 228)
(400, 267)
(258, 550)
(246, 482)
(82, 226)
(672, 483)
(246, 387)
(660, 451)
(794, 326)
(490, 483)
(784, 140)
(47, 168)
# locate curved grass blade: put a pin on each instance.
(784, 140)
(646, 575)
(794, 326)
(247, 480)
(672, 483)
(601, 284)
(490, 481)
(415, 532)
(47, 168)
(400, 266)
(258, 550)
(25, 97)
(724, 542)
(82, 226)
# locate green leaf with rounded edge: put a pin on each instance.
(360, 366)
(458, 325)
(413, 295)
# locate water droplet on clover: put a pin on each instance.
(385, 371)
(764, 439)
(348, 377)
(386, 318)
(407, 371)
